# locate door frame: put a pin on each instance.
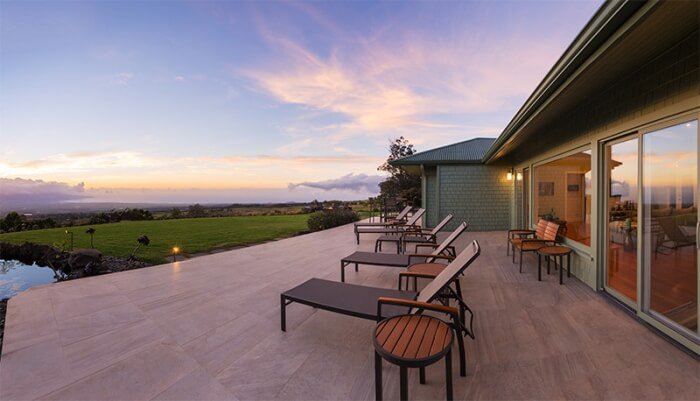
(604, 224)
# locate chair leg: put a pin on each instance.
(508, 247)
(561, 269)
(568, 265)
(448, 375)
(283, 313)
(548, 260)
(539, 267)
(521, 261)
(377, 376)
(462, 352)
(403, 379)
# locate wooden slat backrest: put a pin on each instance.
(550, 234)
(541, 227)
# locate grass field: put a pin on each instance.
(191, 235)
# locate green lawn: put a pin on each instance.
(191, 235)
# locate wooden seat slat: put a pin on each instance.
(387, 327)
(427, 341)
(418, 338)
(441, 335)
(395, 335)
(407, 337)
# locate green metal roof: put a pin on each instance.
(470, 151)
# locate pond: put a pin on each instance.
(16, 277)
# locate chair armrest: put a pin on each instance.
(452, 311)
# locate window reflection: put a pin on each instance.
(562, 193)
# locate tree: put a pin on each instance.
(196, 210)
(400, 183)
(91, 231)
(176, 213)
(13, 221)
(142, 240)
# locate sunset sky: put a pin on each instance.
(234, 101)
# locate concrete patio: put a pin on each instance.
(208, 328)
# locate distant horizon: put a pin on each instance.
(265, 101)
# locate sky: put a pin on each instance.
(255, 101)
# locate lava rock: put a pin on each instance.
(82, 258)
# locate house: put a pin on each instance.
(607, 144)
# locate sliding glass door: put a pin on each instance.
(670, 205)
(651, 224)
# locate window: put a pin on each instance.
(562, 193)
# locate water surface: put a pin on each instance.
(16, 277)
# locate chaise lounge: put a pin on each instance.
(396, 229)
(378, 303)
(444, 251)
(418, 235)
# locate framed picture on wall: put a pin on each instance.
(546, 189)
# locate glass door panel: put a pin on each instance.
(622, 229)
(670, 196)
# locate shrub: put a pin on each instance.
(331, 218)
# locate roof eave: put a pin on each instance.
(607, 20)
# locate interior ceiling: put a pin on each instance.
(663, 27)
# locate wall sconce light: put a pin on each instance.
(519, 176)
(509, 175)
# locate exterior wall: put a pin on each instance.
(665, 87)
(480, 195)
(430, 199)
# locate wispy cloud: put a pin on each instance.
(120, 78)
(353, 182)
(400, 85)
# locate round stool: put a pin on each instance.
(412, 341)
(550, 252)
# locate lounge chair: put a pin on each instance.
(378, 303)
(396, 229)
(542, 238)
(418, 235)
(441, 252)
(400, 218)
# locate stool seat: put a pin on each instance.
(554, 250)
(412, 341)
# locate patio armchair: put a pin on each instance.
(524, 233)
(396, 229)
(375, 303)
(542, 238)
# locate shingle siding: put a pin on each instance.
(431, 213)
(477, 194)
